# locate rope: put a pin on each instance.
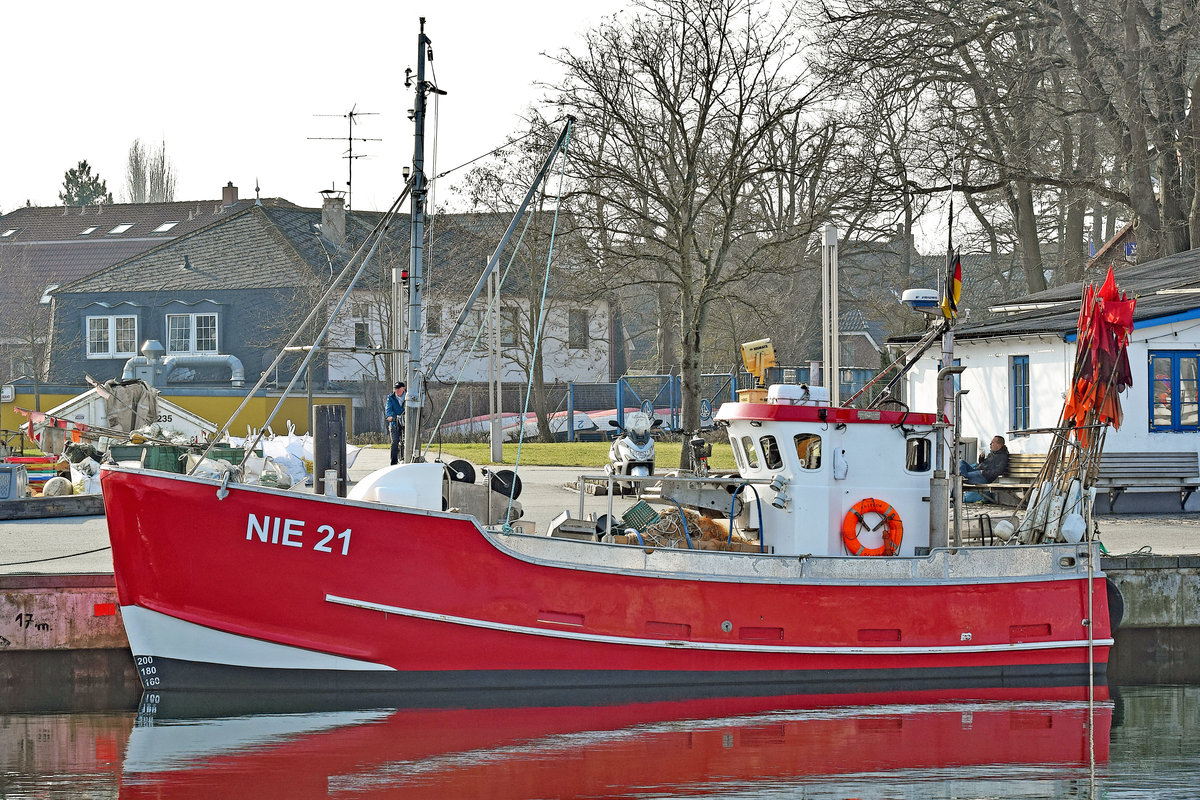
(537, 340)
(55, 558)
(509, 143)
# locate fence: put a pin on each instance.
(657, 395)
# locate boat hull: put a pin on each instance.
(252, 588)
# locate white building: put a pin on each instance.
(1019, 364)
(576, 340)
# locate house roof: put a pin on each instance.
(268, 246)
(1164, 288)
(60, 245)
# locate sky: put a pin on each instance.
(235, 91)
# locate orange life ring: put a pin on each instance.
(891, 537)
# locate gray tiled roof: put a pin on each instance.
(52, 242)
(1061, 312)
(266, 247)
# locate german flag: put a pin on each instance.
(953, 289)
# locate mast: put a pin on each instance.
(414, 399)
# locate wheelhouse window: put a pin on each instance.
(1018, 370)
(808, 450)
(770, 450)
(192, 333)
(1174, 401)
(751, 456)
(918, 455)
(111, 337)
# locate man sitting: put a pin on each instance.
(989, 468)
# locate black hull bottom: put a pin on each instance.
(518, 688)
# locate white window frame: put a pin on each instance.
(191, 331)
(111, 331)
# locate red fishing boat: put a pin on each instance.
(852, 583)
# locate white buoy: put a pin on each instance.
(1004, 529)
(57, 487)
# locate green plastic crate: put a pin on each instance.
(640, 516)
(162, 457)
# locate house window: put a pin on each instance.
(166, 226)
(362, 334)
(433, 319)
(192, 333)
(577, 329)
(124, 226)
(87, 230)
(111, 337)
(1174, 403)
(509, 325)
(8, 233)
(1018, 372)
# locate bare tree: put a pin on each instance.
(25, 325)
(149, 176)
(535, 321)
(677, 105)
(135, 173)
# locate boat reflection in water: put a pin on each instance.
(183, 747)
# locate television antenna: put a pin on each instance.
(352, 116)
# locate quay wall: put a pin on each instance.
(1159, 637)
(62, 641)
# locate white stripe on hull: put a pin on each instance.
(152, 633)
(677, 644)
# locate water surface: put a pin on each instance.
(1144, 743)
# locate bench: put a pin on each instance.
(1017, 480)
(1170, 471)
(1149, 472)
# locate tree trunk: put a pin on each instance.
(540, 406)
(1027, 236)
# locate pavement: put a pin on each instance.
(80, 544)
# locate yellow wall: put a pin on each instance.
(214, 408)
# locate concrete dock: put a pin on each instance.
(80, 544)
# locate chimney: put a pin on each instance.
(333, 217)
(228, 194)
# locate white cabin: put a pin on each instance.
(822, 462)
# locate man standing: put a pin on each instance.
(990, 467)
(393, 412)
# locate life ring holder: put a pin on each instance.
(892, 536)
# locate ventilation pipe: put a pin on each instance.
(155, 369)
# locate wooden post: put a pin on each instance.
(329, 446)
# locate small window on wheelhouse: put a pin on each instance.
(808, 450)
(735, 445)
(918, 455)
(751, 456)
(770, 451)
